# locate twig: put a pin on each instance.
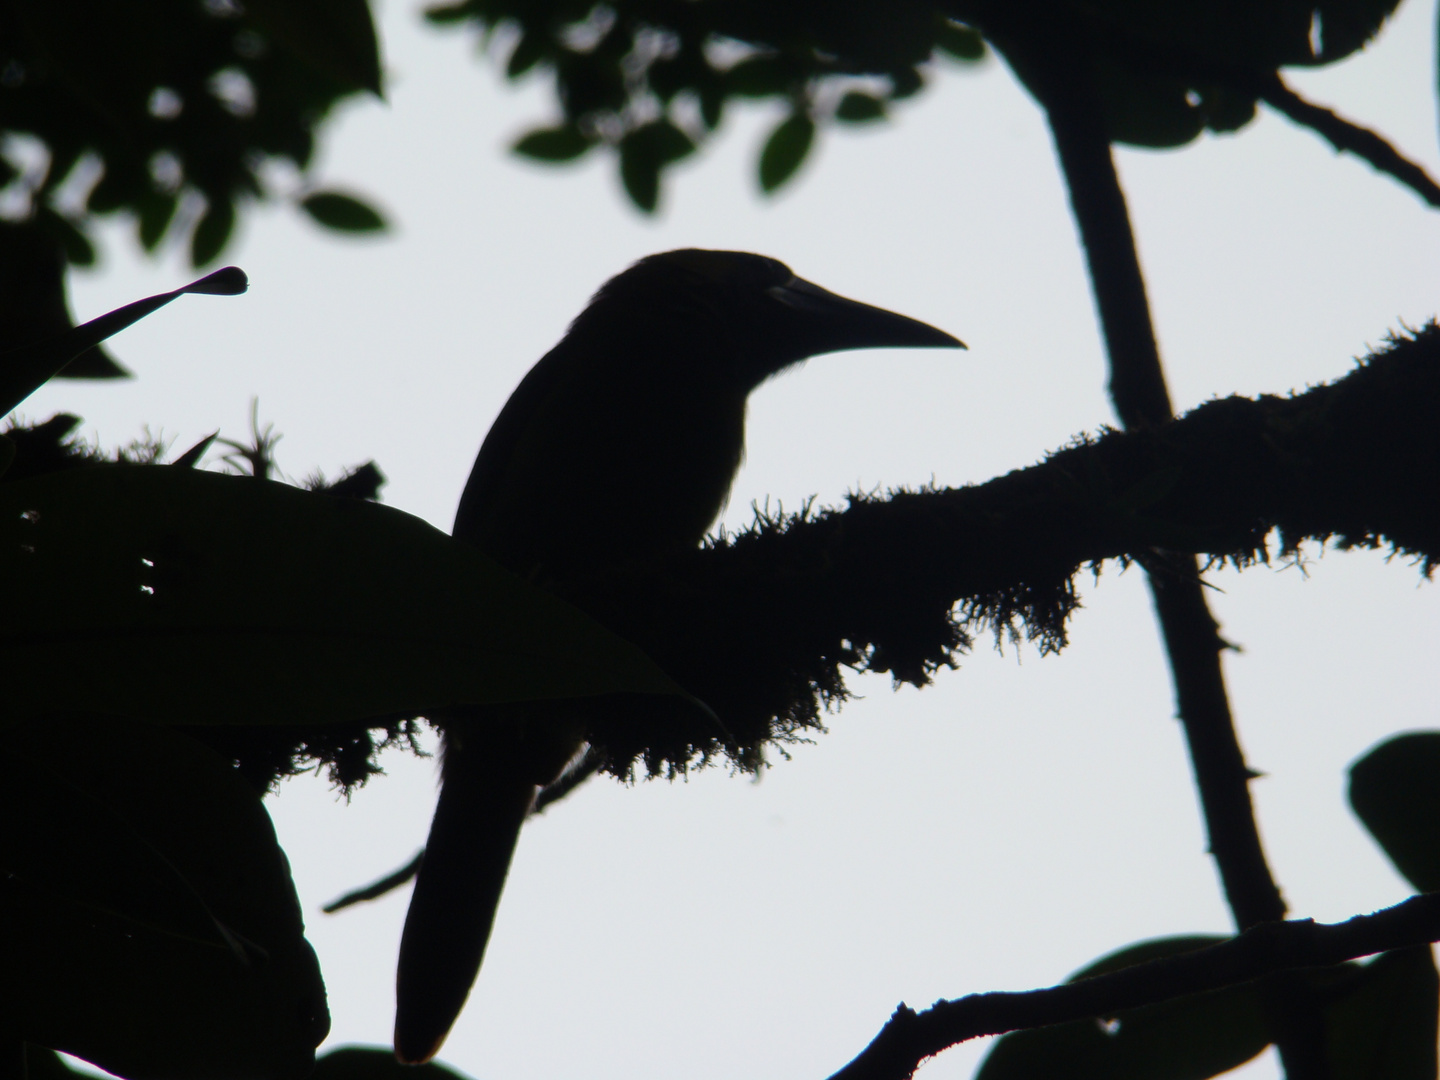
(585, 767)
(582, 769)
(377, 889)
(1347, 136)
(908, 1038)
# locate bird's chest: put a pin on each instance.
(660, 467)
(617, 469)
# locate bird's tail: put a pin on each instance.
(483, 802)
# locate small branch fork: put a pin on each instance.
(909, 1037)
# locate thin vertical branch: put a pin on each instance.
(1055, 62)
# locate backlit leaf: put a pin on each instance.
(148, 913)
(785, 150)
(184, 597)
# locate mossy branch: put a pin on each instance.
(763, 625)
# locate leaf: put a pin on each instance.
(712, 104)
(1145, 111)
(117, 188)
(186, 597)
(335, 37)
(563, 143)
(1188, 1038)
(528, 52)
(149, 914)
(1395, 792)
(857, 108)
(343, 213)
(94, 363)
(785, 150)
(154, 215)
(1386, 1028)
(43, 1064)
(24, 370)
(33, 307)
(448, 14)
(960, 42)
(377, 1063)
(1347, 26)
(644, 153)
(905, 82)
(761, 76)
(212, 232)
(79, 251)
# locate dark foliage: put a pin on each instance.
(143, 105)
(629, 71)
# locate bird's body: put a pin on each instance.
(620, 445)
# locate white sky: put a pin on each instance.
(997, 830)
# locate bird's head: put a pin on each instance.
(771, 318)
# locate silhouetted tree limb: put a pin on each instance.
(910, 1037)
(1062, 75)
(763, 625)
(1344, 135)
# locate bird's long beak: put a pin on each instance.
(831, 323)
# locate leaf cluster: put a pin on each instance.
(653, 80)
(169, 110)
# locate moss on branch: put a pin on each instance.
(763, 625)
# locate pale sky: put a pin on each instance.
(997, 830)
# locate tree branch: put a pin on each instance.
(1346, 136)
(902, 584)
(1060, 75)
(910, 1037)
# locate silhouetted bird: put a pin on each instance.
(620, 445)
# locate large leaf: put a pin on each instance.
(1395, 791)
(177, 596)
(1385, 1028)
(377, 1063)
(1189, 1038)
(43, 1064)
(149, 923)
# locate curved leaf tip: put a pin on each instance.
(227, 281)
